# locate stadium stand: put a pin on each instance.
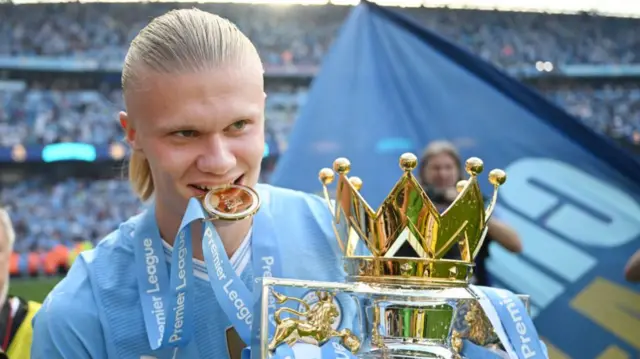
(59, 83)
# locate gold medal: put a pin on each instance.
(231, 203)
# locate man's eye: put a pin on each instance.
(239, 125)
(186, 133)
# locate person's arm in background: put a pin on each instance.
(632, 269)
(503, 234)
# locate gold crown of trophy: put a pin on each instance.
(417, 306)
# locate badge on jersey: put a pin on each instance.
(311, 297)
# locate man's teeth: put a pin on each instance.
(205, 188)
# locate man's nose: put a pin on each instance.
(216, 157)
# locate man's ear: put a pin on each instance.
(129, 131)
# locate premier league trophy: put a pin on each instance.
(418, 305)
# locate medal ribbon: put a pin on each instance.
(512, 323)
(167, 299)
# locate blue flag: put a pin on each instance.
(389, 86)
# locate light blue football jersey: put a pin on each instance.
(95, 311)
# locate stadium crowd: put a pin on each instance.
(66, 113)
(613, 110)
(67, 212)
(302, 34)
(285, 36)
(297, 35)
(42, 116)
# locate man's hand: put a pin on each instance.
(632, 270)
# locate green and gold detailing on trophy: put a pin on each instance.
(418, 305)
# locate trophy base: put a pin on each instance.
(386, 321)
(404, 351)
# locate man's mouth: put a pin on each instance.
(204, 188)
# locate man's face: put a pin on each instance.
(198, 130)
(441, 171)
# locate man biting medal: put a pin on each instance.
(176, 280)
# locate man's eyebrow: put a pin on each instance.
(195, 125)
(246, 117)
(177, 127)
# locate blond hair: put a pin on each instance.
(186, 40)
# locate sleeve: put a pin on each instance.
(323, 217)
(68, 325)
